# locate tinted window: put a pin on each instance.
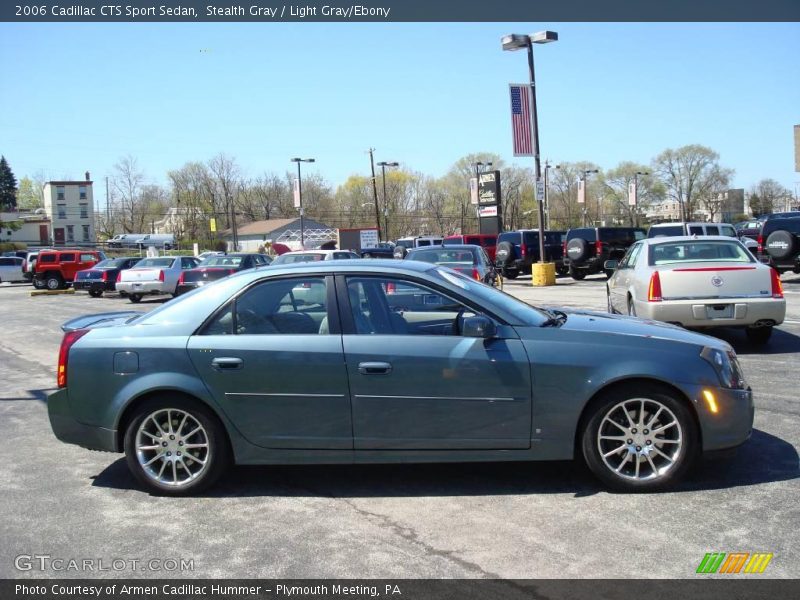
(394, 306)
(669, 230)
(695, 230)
(727, 230)
(220, 261)
(88, 257)
(294, 306)
(68, 257)
(453, 241)
(5, 262)
(621, 235)
(47, 258)
(586, 234)
(421, 243)
(712, 230)
(188, 263)
(287, 259)
(155, 262)
(444, 256)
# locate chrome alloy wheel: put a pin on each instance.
(172, 447)
(640, 439)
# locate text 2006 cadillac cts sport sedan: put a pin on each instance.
(381, 361)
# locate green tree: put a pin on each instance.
(29, 194)
(768, 196)
(8, 186)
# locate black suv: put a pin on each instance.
(587, 248)
(518, 250)
(778, 243)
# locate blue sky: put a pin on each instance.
(78, 96)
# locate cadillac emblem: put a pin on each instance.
(717, 281)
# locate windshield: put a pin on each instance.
(287, 259)
(222, 261)
(696, 251)
(490, 296)
(155, 262)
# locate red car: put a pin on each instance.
(487, 241)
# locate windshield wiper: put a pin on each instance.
(556, 318)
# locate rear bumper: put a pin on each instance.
(188, 286)
(695, 313)
(70, 431)
(94, 285)
(142, 287)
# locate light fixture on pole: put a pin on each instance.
(298, 198)
(512, 43)
(383, 164)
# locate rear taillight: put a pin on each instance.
(391, 288)
(181, 279)
(63, 354)
(654, 290)
(231, 271)
(598, 248)
(161, 275)
(777, 285)
(24, 265)
(476, 275)
(119, 276)
(104, 277)
(564, 247)
(760, 241)
(522, 249)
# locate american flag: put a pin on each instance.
(521, 120)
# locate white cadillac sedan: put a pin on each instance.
(710, 281)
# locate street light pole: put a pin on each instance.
(584, 174)
(517, 42)
(300, 198)
(636, 196)
(383, 164)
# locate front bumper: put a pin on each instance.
(696, 313)
(70, 431)
(732, 424)
(142, 287)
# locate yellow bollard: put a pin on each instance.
(543, 274)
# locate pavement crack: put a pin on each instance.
(410, 535)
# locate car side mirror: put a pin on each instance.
(478, 326)
(611, 265)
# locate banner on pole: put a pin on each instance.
(296, 192)
(581, 191)
(473, 190)
(521, 119)
(632, 193)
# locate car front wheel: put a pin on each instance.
(95, 293)
(640, 439)
(53, 282)
(135, 298)
(175, 447)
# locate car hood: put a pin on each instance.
(108, 319)
(606, 323)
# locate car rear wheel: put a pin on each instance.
(511, 273)
(631, 307)
(639, 439)
(759, 336)
(577, 274)
(53, 282)
(95, 293)
(175, 447)
(135, 298)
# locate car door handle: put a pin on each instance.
(227, 363)
(374, 368)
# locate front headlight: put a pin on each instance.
(727, 367)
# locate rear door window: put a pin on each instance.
(712, 230)
(728, 230)
(68, 257)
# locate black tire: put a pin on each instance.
(510, 273)
(135, 298)
(609, 273)
(608, 303)
(631, 307)
(682, 455)
(218, 456)
(562, 271)
(38, 284)
(577, 249)
(758, 336)
(577, 274)
(780, 244)
(95, 293)
(53, 281)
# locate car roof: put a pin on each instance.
(447, 248)
(689, 238)
(369, 265)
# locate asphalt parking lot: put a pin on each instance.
(543, 520)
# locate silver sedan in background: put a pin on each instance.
(711, 281)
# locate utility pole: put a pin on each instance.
(108, 204)
(375, 192)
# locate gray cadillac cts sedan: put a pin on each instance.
(387, 361)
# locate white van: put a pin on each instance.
(159, 240)
(698, 228)
(403, 244)
(125, 240)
